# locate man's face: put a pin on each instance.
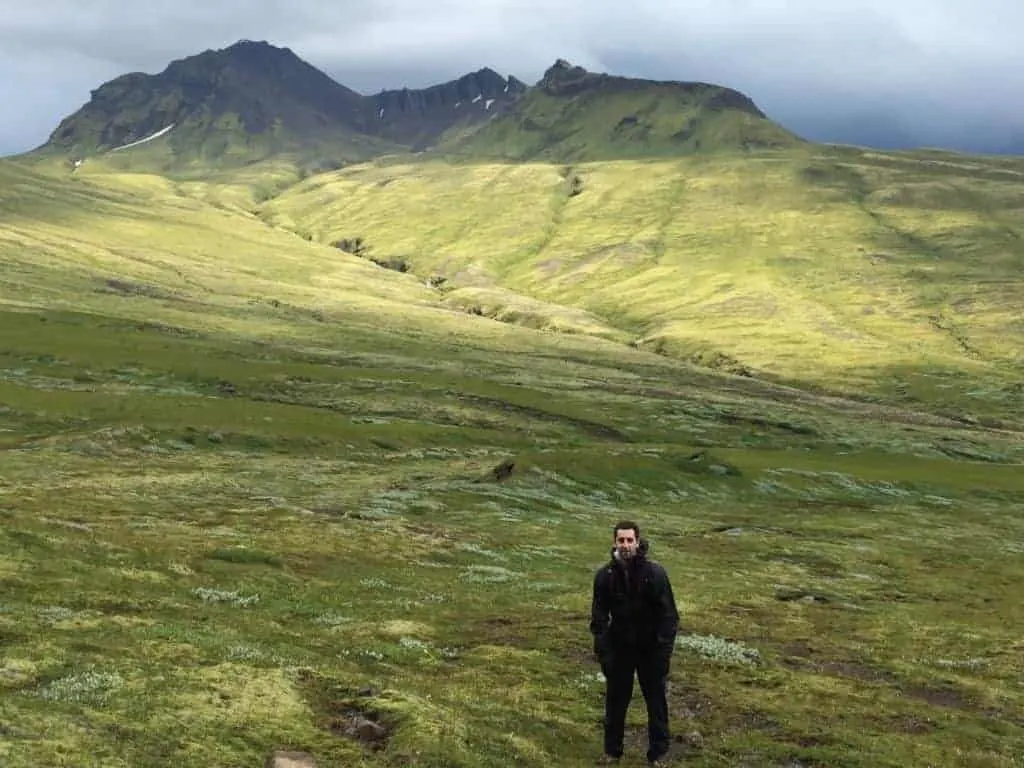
(625, 541)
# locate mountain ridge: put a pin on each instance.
(482, 89)
(574, 115)
(253, 97)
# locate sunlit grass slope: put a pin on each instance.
(248, 504)
(897, 274)
(66, 237)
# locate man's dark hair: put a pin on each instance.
(623, 525)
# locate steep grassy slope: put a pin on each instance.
(69, 241)
(247, 504)
(204, 143)
(893, 274)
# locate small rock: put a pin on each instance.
(369, 730)
(504, 470)
(694, 739)
(282, 759)
(366, 692)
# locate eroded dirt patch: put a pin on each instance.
(801, 656)
(688, 701)
(580, 656)
(857, 671)
(346, 712)
(132, 288)
(363, 725)
(787, 595)
(939, 697)
(754, 720)
(799, 648)
(911, 723)
(592, 428)
(505, 630)
(816, 564)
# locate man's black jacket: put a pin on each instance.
(633, 608)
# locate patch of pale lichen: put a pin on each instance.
(237, 694)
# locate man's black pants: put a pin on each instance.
(651, 669)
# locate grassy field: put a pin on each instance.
(247, 493)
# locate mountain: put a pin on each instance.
(253, 100)
(576, 115)
(249, 97)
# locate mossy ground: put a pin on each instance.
(245, 496)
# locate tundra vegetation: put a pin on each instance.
(261, 491)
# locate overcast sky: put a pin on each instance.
(881, 72)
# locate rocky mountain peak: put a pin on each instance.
(417, 116)
(562, 78)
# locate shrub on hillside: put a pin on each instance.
(354, 245)
(399, 265)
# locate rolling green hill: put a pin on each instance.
(894, 275)
(325, 461)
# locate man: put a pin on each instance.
(634, 621)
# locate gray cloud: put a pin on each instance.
(939, 72)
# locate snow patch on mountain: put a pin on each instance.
(156, 135)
